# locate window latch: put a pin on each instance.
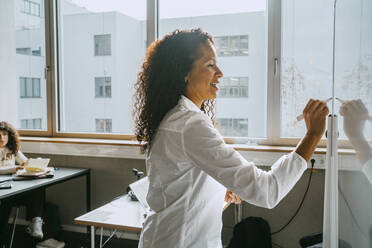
(276, 64)
(46, 70)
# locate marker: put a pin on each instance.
(301, 116)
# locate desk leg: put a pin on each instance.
(88, 192)
(100, 242)
(92, 242)
(88, 199)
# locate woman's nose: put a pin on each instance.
(219, 73)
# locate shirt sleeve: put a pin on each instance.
(20, 158)
(206, 148)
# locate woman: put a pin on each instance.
(10, 154)
(188, 164)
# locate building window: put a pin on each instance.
(103, 125)
(103, 86)
(233, 127)
(36, 52)
(30, 87)
(31, 8)
(102, 45)
(31, 123)
(28, 51)
(23, 50)
(232, 45)
(231, 87)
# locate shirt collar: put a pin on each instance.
(187, 103)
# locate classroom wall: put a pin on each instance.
(110, 177)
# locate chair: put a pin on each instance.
(14, 225)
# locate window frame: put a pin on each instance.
(30, 7)
(105, 124)
(30, 82)
(229, 49)
(239, 87)
(97, 50)
(107, 81)
(231, 123)
(33, 121)
(52, 24)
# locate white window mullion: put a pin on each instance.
(152, 21)
(273, 71)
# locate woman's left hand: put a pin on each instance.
(26, 163)
(231, 197)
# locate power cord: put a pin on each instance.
(302, 201)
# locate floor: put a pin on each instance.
(71, 239)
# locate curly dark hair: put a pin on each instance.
(14, 143)
(161, 81)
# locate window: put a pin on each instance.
(31, 8)
(102, 45)
(27, 88)
(232, 45)
(28, 51)
(233, 127)
(104, 125)
(36, 52)
(287, 64)
(233, 87)
(31, 123)
(235, 27)
(24, 50)
(30, 87)
(103, 86)
(100, 84)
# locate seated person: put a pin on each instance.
(10, 154)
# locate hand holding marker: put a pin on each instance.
(301, 117)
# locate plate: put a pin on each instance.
(24, 173)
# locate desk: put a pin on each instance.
(121, 214)
(60, 175)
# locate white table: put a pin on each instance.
(119, 214)
(122, 214)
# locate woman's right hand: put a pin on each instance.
(315, 114)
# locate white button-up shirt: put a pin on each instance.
(189, 168)
(8, 160)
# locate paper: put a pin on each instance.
(140, 189)
(41, 163)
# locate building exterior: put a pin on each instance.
(100, 57)
(30, 61)
(100, 54)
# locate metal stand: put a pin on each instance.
(330, 219)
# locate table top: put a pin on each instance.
(121, 214)
(61, 174)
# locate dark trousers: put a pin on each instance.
(34, 203)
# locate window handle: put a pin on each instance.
(276, 65)
(46, 70)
